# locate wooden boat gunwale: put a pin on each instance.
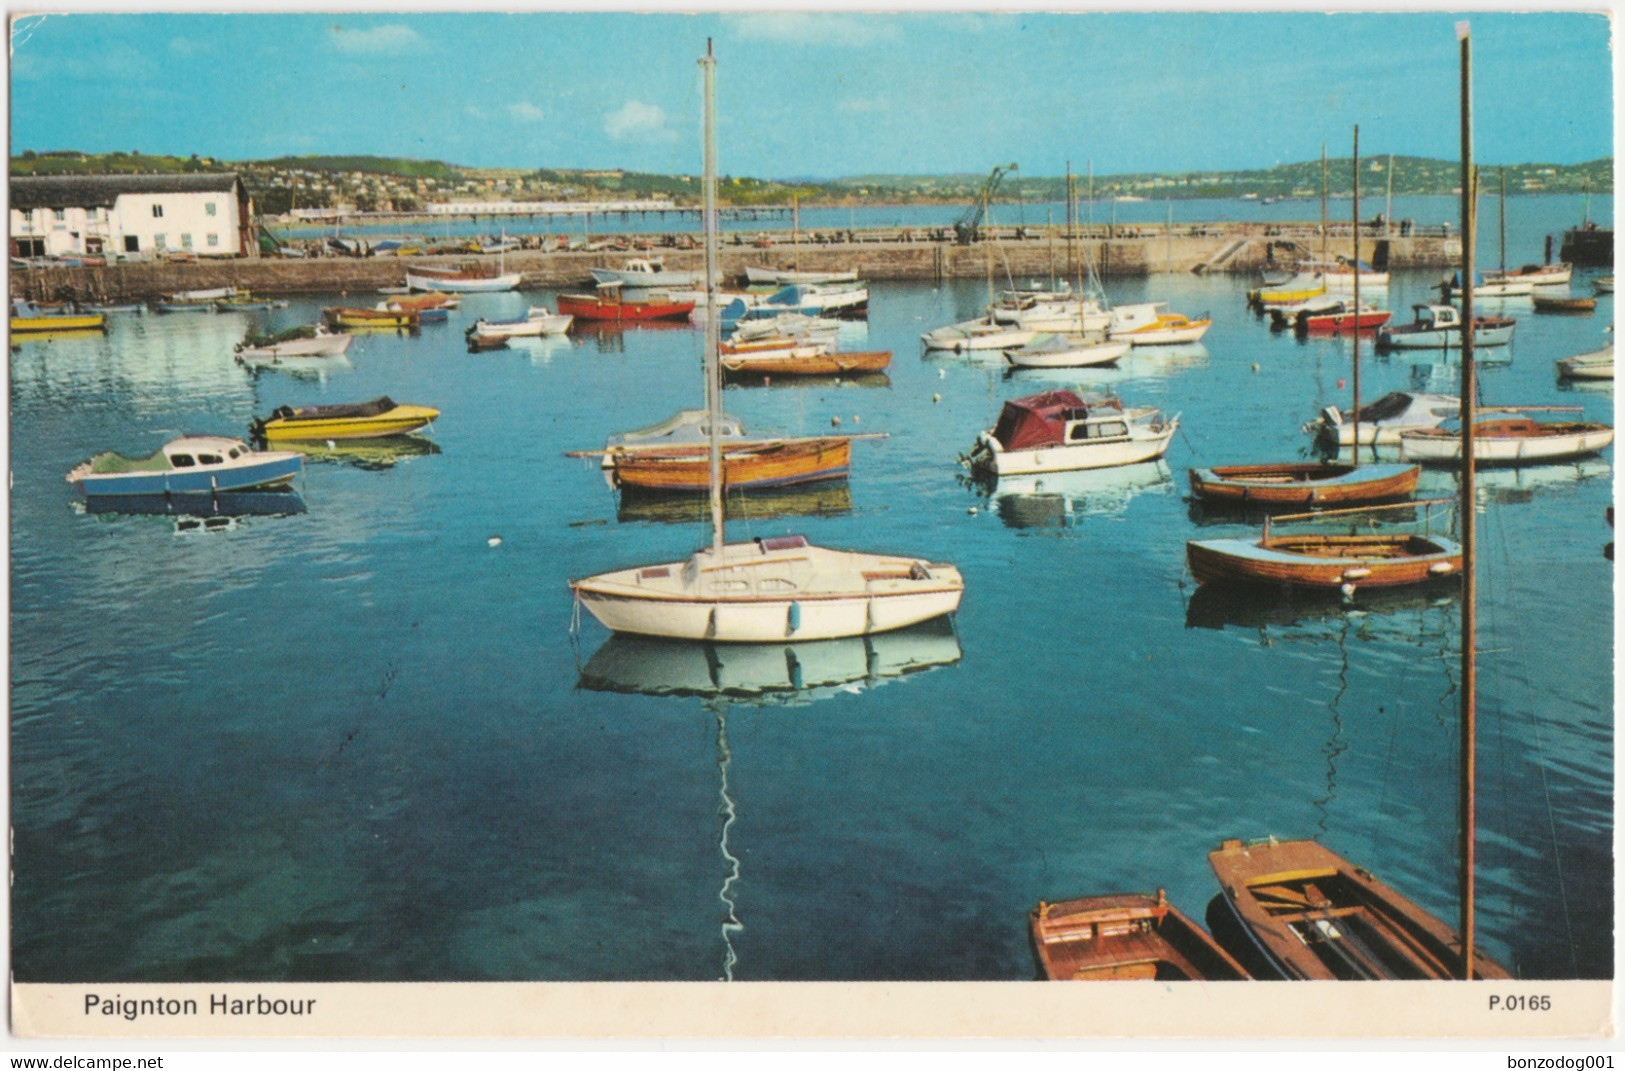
(1145, 930)
(1302, 483)
(1367, 903)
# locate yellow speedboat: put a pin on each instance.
(376, 419)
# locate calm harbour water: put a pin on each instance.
(358, 741)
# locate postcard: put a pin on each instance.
(746, 525)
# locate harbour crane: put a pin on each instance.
(969, 227)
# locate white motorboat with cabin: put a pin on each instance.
(1060, 430)
(1382, 421)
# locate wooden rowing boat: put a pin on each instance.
(1554, 303)
(1324, 561)
(1125, 937)
(813, 360)
(1298, 910)
(1303, 483)
(763, 464)
(1321, 560)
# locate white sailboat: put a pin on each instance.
(766, 590)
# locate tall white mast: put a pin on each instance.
(713, 383)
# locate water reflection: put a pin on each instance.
(862, 379)
(1376, 613)
(1061, 499)
(768, 673)
(826, 498)
(371, 454)
(197, 512)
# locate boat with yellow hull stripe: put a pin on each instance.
(376, 419)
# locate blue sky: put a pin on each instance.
(818, 94)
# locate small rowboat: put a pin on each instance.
(1298, 910)
(400, 319)
(1059, 351)
(1598, 364)
(1555, 303)
(791, 359)
(297, 342)
(1321, 560)
(1291, 292)
(468, 280)
(1304, 483)
(248, 304)
(184, 306)
(1126, 937)
(376, 419)
(21, 325)
(983, 334)
(776, 463)
(1508, 441)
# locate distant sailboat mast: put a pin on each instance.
(713, 339)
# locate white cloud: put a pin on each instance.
(474, 111)
(637, 121)
(379, 40)
(525, 112)
(815, 28)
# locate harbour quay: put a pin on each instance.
(1119, 251)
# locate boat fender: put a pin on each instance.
(1441, 568)
(795, 616)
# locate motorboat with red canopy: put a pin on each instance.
(1060, 430)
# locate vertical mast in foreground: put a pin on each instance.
(1469, 585)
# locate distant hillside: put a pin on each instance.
(402, 184)
(370, 165)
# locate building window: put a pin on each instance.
(210, 207)
(214, 240)
(159, 243)
(61, 214)
(157, 211)
(132, 244)
(186, 241)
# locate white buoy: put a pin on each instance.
(835, 421)
(494, 541)
(935, 398)
(855, 419)
(972, 511)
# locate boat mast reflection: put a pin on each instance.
(760, 675)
